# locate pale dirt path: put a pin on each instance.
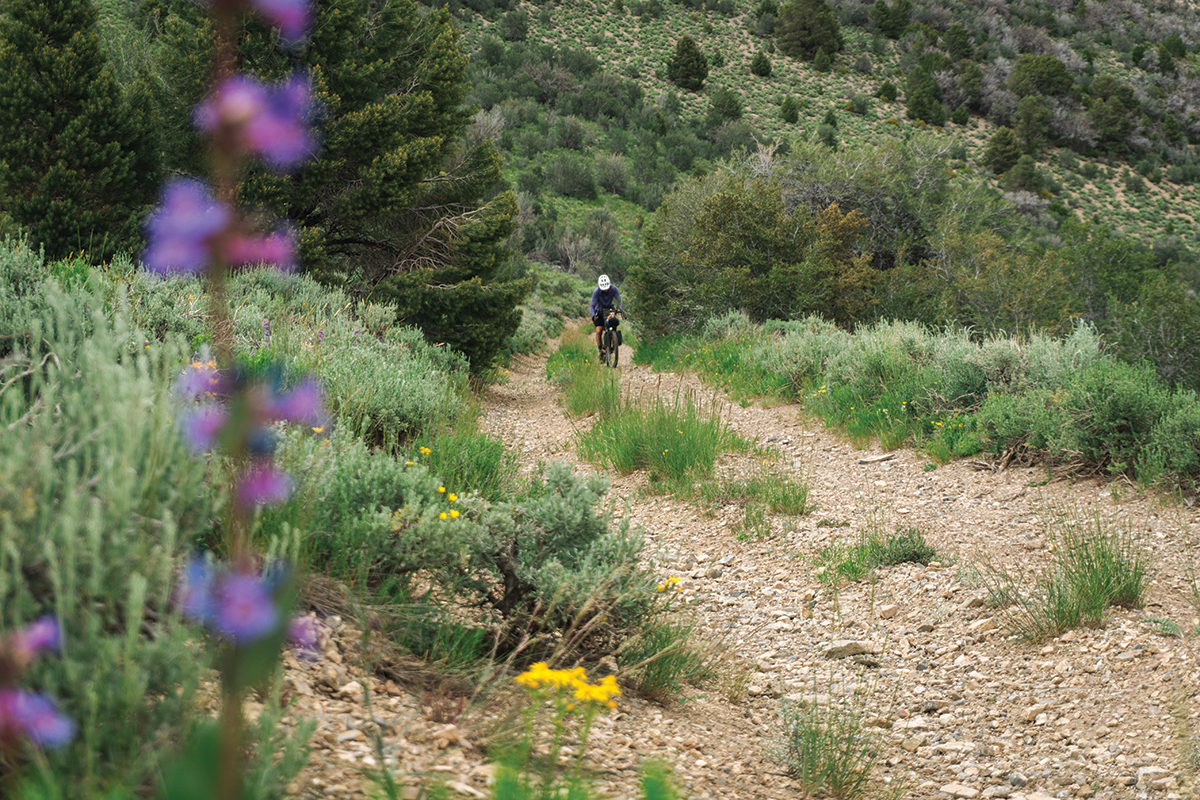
(960, 709)
(964, 705)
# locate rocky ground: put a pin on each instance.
(961, 708)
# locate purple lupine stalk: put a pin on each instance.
(271, 123)
(263, 484)
(237, 605)
(181, 230)
(35, 717)
(40, 636)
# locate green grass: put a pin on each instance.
(841, 562)
(588, 387)
(1094, 566)
(828, 747)
(676, 440)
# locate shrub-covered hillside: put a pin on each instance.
(1101, 97)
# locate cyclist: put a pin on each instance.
(605, 297)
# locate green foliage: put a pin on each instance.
(760, 65)
(687, 67)
(402, 203)
(923, 98)
(821, 62)
(805, 27)
(887, 91)
(827, 746)
(1094, 567)
(1024, 176)
(1044, 75)
(677, 442)
(789, 110)
(79, 165)
(725, 105)
(587, 390)
(1033, 123)
(99, 499)
(1003, 151)
(668, 654)
(728, 241)
(874, 549)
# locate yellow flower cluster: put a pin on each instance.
(540, 678)
(668, 583)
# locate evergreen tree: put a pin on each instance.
(401, 203)
(887, 92)
(923, 98)
(726, 106)
(881, 15)
(806, 27)
(901, 17)
(1033, 124)
(1003, 150)
(760, 65)
(789, 110)
(821, 61)
(78, 163)
(687, 68)
(1024, 176)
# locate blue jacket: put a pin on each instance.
(604, 300)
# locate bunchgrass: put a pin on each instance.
(667, 655)
(841, 562)
(588, 388)
(468, 460)
(677, 440)
(1093, 567)
(827, 746)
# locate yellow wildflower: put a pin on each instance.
(454, 514)
(442, 515)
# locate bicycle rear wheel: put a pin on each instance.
(614, 350)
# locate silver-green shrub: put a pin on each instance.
(99, 497)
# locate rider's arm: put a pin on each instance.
(594, 306)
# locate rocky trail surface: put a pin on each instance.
(959, 707)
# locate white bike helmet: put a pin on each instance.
(604, 283)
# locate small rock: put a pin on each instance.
(1033, 711)
(464, 789)
(713, 572)
(351, 690)
(982, 625)
(960, 790)
(1018, 779)
(843, 648)
(1148, 775)
(889, 611)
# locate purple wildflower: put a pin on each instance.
(38, 637)
(320, 336)
(305, 637)
(194, 595)
(292, 17)
(180, 231)
(33, 716)
(278, 249)
(244, 608)
(304, 404)
(202, 427)
(271, 123)
(264, 485)
(201, 379)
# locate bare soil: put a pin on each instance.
(959, 707)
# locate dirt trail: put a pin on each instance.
(959, 709)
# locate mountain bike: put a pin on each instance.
(610, 339)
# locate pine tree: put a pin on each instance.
(760, 65)
(806, 27)
(923, 98)
(789, 110)
(1003, 150)
(401, 203)
(687, 68)
(78, 163)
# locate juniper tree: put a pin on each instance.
(687, 68)
(789, 110)
(760, 65)
(403, 203)
(806, 27)
(78, 162)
